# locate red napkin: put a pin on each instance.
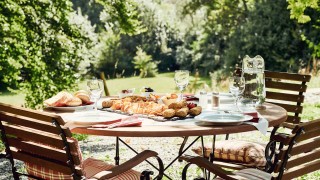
(124, 122)
(254, 115)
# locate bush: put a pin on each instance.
(144, 64)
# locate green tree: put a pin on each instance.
(307, 13)
(269, 32)
(46, 46)
(41, 48)
(144, 64)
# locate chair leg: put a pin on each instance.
(145, 175)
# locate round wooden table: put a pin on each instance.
(150, 128)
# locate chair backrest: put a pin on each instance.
(297, 153)
(287, 90)
(38, 138)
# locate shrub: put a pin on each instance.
(144, 64)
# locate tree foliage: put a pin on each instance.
(46, 46)
(307, 13)
(41, 49)
(232, 29)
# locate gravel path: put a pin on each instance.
(104, 148)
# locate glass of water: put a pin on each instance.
(236, 87)
(181, 77)
(95, 86)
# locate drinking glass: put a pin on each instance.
(95, 86)
(236, 88)
(181, 77)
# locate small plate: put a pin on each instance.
(72, 108)
(222, 119)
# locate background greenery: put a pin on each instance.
(49, 46)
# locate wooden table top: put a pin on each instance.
(150, 128)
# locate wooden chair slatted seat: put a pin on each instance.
(289, 160)
(40, 138)
(287, 90)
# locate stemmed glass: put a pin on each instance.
(95, 86)
(181, 77)
(236, 88)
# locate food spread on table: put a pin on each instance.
(66, 99)
(151, 106)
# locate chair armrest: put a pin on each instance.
(130, 164)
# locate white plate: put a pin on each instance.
(89, 118)
(72, 108)
(222, 119)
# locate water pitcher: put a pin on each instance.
(253, 72)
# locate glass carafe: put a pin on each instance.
(253, 72)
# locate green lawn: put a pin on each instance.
(162, 83)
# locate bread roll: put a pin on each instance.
(81, 92)
(183, 112)
(59, 100)
(75, 101)
(178, 105)
(107, 104)
(84, 97)
(168, 113)
(195, 111)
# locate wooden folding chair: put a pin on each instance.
(288, 156)
(284, 89)
(45, 145)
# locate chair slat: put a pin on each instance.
(293, 119)
(31, 113)
(289, 107)
(63, 168)
(308, 135)
(301, 170)
(285, 97)
(303, 158)
(288, 76)
(285, 86)
(36, 136)
(309, 126)
(42, 150)
(305, 146)
(33, 123)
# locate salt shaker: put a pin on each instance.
(215, 100)
(203, 99)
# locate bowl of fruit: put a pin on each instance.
(126, 92)
(146, 91)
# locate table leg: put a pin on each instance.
(117, 158)
(180, 153)
(185, 139)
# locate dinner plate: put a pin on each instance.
(222, 119)
(72, 108)
(90, 118)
